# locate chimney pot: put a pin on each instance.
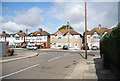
(40, 29)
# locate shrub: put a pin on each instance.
(110, 46)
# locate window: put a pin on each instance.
(76, 36)
(52, 37)
(75, 44)
(94, 36)
(17, 38)
(44, 37)
(59, 45)
(59, 37)
(21, 38)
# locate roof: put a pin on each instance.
(4, 34)
(20, 33)
(65, 31)
(98, 30)
(42, 33)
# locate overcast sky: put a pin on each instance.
(52, 15)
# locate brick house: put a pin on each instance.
(94, 36)
(67, 37)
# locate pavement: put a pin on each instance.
(18, 56)
(91, 68)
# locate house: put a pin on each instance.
(18, 38)
(67, 37)
(40, 38)
(94, 36)
(4, 36)
(14, 39)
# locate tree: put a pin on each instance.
(64, 27)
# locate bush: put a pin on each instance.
(110, 46)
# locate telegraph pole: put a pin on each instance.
(85, 30)
(68, 36)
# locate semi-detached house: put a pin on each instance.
(67, 37)
(94, 36)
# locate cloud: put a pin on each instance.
(104, 13)
(1, 19)
(32, 17)
(59, 0)
(12, 27)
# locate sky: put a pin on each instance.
(50, 16)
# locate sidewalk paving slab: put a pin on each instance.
(91, 69)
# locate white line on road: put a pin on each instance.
(54, 58)
(19, 71)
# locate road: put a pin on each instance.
(47, 65)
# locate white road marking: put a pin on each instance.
(54, 58)
(19, 71)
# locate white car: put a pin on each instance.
(31, 47)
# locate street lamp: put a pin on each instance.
(85, 30)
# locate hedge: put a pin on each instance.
(110, 46)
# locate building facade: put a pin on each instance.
(67, 37)
(40, 38)
(94, 36)
(4, 36)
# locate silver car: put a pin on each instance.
(31, 47)
(94, 48)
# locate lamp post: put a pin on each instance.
(85, 30)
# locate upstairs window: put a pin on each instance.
(21, 38)
(59, 37)
(59, 46)
(17, 38)
(94, 36)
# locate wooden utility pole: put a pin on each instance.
(68, 36)
(85, 30)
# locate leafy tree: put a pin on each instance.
(64, 27)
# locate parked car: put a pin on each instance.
(65, 47)
(24, 46)
(31, 47)
(94, 48)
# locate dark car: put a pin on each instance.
(94, 48)
(65, 47)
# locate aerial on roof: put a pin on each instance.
(100, 30)
(65, 31)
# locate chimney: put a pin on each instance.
(99, 26)
(3, 32)
(40, 29)
(20, 31)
